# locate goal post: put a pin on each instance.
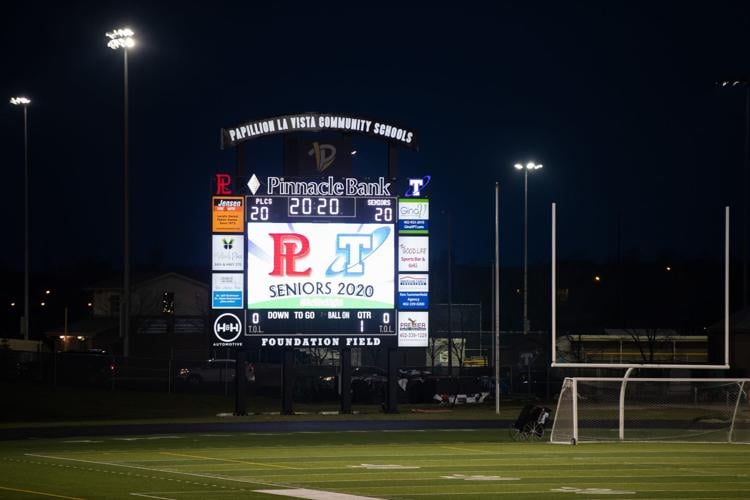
(596, 409)
(670, 359)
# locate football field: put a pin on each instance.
(411, 464)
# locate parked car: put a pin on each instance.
(92, 367)
(213, 371)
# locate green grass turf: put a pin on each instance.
(442, 465)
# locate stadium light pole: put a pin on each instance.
(24, 103)
(743, 83)
(530, 167)
(497, 298)
(123, 39)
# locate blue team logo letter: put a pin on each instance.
(416, 186)
(353, 249)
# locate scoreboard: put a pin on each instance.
(331, 262)
(321, 265)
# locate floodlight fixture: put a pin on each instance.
(121, 38)
(20, 101)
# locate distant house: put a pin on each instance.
(169, 318)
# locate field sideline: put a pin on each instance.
(410, 464)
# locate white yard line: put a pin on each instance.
(152, 470)
(151, 496)
(315, 494)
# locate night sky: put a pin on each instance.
(617, 100)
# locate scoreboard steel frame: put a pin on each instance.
(299, 295)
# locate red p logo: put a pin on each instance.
(287, 248)
(223, 184)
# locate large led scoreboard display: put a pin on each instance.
(327, 262)
(321, 265)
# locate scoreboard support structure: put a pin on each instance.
(391, 402)
(346, 381)
(287, 382)
(240, 382)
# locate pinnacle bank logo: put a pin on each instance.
(330, 186)
(352, 250)
(253, 184)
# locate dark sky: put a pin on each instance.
(616, 99)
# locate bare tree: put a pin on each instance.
(649, 341)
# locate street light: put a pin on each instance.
(739, 82)
(123, 39)
(530, 167)
(24, 102)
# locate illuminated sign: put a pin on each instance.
(318, 122)
(416, 186)
(226, 291)
(318, 266)
(228, 214)
(227, 328)
(413, 328)
(320, 262)
(347, 186)
(413, 216)
(320, 270)
(227, 253)
(223, 184)
(413, 254)
(413, 291)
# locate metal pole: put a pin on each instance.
(450, 297)
(621, 419)
(525, 250)
(126, 205)
(726, 286)
(497, 298)
(554, 282)
(26, 224)
(745, 175)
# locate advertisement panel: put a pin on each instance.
(413, 328)
(413, 216)
(227, 330)
(227, 253)
(226, 291)
(413, 253)
(228, 214)
(413, 291)
(320, 266)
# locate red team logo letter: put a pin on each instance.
(223, 183)
(287, 248)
